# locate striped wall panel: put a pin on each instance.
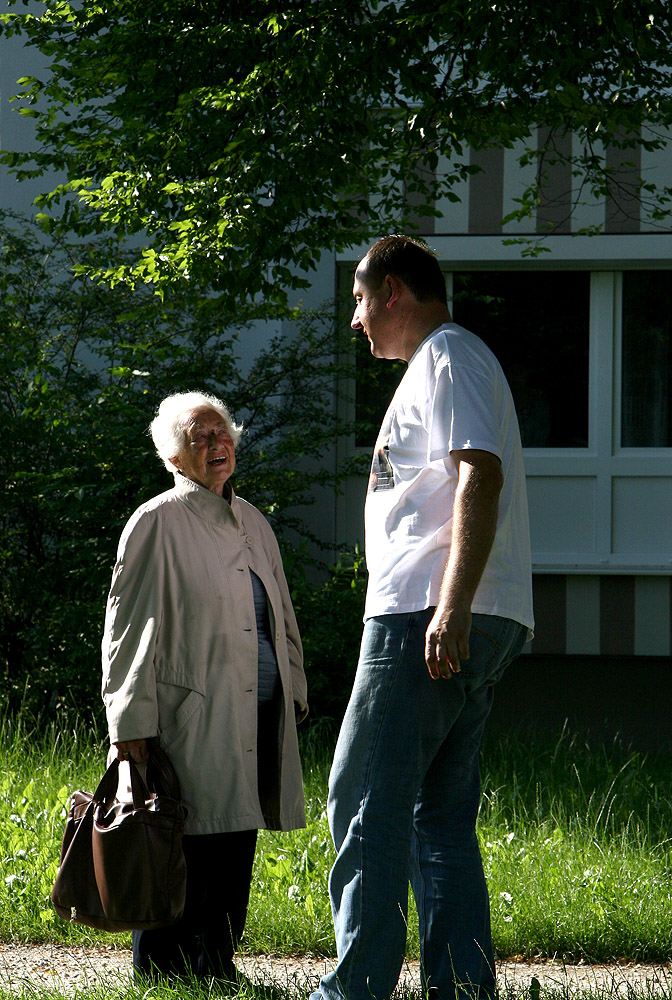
(491, 192)
(486, 192)
(623, 205)
(554, 212)
(602, 615)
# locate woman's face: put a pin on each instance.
(208, 455)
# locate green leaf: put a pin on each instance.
(272, 133)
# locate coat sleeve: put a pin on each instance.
(132, 624)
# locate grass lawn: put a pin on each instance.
(576, 840)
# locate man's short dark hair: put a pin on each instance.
(408, 259)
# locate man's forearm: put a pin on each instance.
(473, 533)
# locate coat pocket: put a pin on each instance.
(177, 708)
(189, 678)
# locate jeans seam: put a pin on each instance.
(374, 746)
(367, 785)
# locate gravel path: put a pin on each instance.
(71, 969)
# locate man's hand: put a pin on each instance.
(447, 641)
(136, 750)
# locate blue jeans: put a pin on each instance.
(404, 794)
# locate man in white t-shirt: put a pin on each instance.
(448, 607)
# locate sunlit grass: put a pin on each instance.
(575, 837)
(576, 844)
(39, 768)
(577, 850)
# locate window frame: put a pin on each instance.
(598, 471)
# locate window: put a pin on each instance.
(589, 359)
(537, 325)
(646, 381)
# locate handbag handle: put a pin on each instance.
(107, 787)
(160, 778)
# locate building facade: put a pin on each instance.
(584, 333)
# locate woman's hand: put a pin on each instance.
(136, 750)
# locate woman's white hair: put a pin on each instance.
(168, 426)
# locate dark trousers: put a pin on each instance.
(203, 941)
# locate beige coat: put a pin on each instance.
(180, 654)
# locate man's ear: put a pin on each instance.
(393, 286)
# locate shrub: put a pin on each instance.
(82, 368)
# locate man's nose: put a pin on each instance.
(355, 322)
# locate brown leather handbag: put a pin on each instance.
(122, 866)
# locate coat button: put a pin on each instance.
(249, 540)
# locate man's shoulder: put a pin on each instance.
(453, 337)
(455, 345)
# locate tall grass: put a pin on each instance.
(39, 768)
(576, 842)
(576, 838)
(577, 849)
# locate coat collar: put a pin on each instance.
(207, 504)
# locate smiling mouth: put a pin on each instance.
(218, 461)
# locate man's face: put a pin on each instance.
(370, 314)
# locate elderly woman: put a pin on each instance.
(201, 650)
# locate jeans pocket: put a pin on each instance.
(494, 642)
(485, 650)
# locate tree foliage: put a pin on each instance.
(243, 139)
(226, 146)
(82, 368)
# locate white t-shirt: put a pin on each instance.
(453, 396)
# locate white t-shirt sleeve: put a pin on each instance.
(463, 413)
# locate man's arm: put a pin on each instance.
(479, 484)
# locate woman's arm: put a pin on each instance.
(132, 624)
(136, 750)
